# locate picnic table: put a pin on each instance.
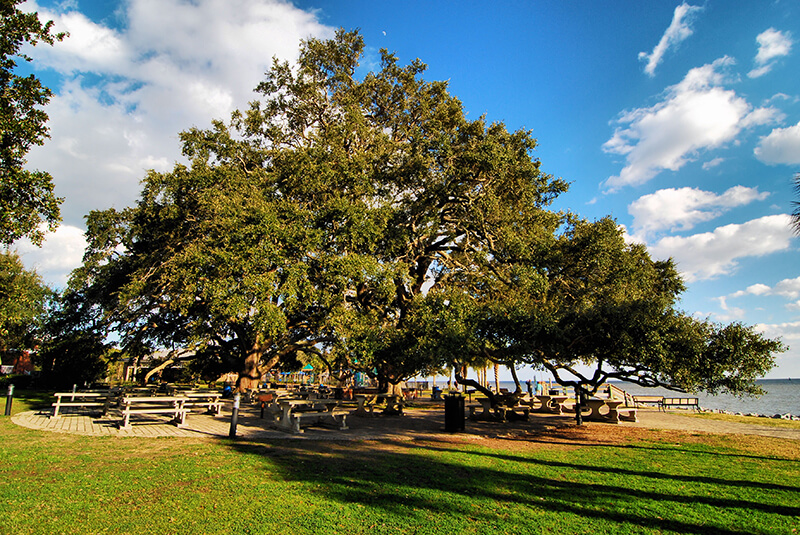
(367, 403)
(293, 412)
(500, 410)
(552, 404)
(609, 410)
(485, 404)
(140, 405)
(83, 400)
(210, 400)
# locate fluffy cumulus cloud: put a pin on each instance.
(781, 146)
(696, 114)
(787, 364)
(60, 253)
(789, 331)
(683, 208)
(713, 254)
(679, 30)
(772, 44)
(129, 90)
(788, 288)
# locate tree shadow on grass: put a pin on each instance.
(650, 474)
(536, 436)
(466, 483)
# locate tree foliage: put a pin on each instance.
(317, 220)
(73, 348)
(26, 197)
(607, 311)
(367, 220)
(23, 304)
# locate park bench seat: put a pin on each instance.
(693, 403)
(648, 400)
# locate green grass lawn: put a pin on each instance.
(753, 420)
(564, 481)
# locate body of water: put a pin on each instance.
(782, 396)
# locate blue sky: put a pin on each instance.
(681, 120)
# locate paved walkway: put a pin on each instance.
(416, 423)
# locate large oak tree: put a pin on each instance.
(317, 220)
(366, 219)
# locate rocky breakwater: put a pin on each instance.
(787, 416)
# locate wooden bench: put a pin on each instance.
(648, 400)
(83, 400)
(679, 402)
(171, 406)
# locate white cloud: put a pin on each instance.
(683, 208)
(61, 252)
(781, 146)
(129, 91)
(754, 289)
(788, 288)
(788, 331)
(787, 364)
(695, 115)
(783, 97)
(711, 254)
(762, 116)
(712, 163)
(772, 44)
(731, 313)
(678, 31)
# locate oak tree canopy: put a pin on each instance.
(364, 218)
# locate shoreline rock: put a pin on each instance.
(788, 416)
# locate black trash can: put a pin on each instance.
(454, 413)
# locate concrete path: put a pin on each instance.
(416, 423)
